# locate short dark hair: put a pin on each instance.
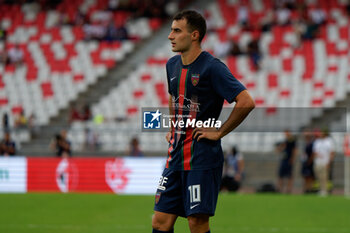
(195, 21)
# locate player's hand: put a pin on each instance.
(168, 137)
(208, 133)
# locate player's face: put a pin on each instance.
(180, 36)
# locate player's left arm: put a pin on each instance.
(244, 105)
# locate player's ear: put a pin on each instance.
(195, 35)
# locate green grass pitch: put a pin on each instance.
(107, 213)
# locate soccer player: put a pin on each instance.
(288, 150)
(198, 83)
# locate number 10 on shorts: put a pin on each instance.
(195, 193)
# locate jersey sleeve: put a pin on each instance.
(167, 76)
(223, 82)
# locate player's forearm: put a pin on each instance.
(241, 167)
(241, 110)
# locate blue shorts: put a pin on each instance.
(185, 193)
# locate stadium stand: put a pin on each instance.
(312, 73)
(59, 61)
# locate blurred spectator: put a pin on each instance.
(308, 29)
(299, 27)
(110, 31)
(3, 34)
(288, 151)
(74, 114)
(243, 15)
(86, 114)
(283, 16)
(5, 122)
(347, 8)
(311, 30)
(21, 121)
(33, 126)
(47, 5)
(302, 10)
(148, 8)
(7, 146)
(64, 19)
(254, 53)
(267, 21)
(102, 16)
(94, 31)
(290, 4)
(121, 32)
(317, 15)
(98, 119)
(80, 18)
(307, 169)
(113, 5)
(116, 32)
(210, 21)
(222, 49)
(233, 171)
(61, 145)
(15, 55)
(91, 140)
(4, 57)
(235, 49)
(134, 149)
(323, 152)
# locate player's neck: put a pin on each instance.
(191, 55)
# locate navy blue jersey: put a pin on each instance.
(290, 145)
(198, 91)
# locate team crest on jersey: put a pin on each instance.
(157, 197)
(195, 79)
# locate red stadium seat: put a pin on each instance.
(250, 85)
(288, 65)
(317, 102)
(17, 109)
(146, 77)
(259, 101)
(32, 74)
(156, 61)
(333, 68)
(2, 84)
(329, 93)
(78, 77)
(271, 110)
(161, 93)
(10, 69)
(272, 81)
(155, 23)
(138, 94)
(318, 85)
(132, 110)
(3, 101)
(285, 93)
(46, 88)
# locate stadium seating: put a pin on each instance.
(58, 63)
(313, 75)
